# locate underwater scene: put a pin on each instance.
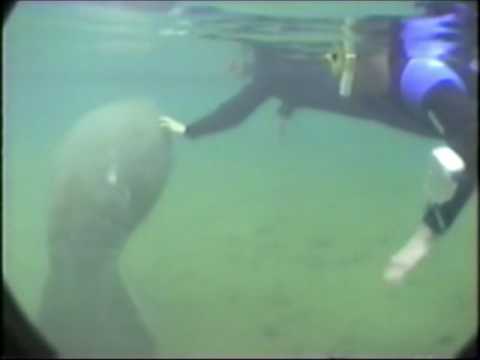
(128, 233)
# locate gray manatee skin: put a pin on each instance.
(111, 170)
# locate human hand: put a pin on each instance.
(408, 257)
(172, 124)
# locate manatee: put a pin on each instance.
(110, 171)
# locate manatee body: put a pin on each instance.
(111, 170)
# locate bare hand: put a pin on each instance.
(172, 124)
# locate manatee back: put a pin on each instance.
(111, 169)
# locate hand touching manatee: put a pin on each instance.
(172, 125)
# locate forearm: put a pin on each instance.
(232, 112)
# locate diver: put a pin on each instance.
(425, 84)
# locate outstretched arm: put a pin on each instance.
(227, 115)
(232, 112)
(455, 115)
(235, 110)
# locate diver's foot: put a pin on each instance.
(409, 256)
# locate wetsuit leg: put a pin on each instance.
(457, 115)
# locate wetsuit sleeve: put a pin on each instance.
(232, 112)
(457, 116)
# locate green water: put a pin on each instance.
(261, 245)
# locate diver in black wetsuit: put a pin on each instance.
(425, 83)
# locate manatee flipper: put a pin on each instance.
(111, 171)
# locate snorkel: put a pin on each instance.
(342, 60)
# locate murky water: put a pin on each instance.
(260, 244)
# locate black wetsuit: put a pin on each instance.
(299, 84)
(306, 84)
